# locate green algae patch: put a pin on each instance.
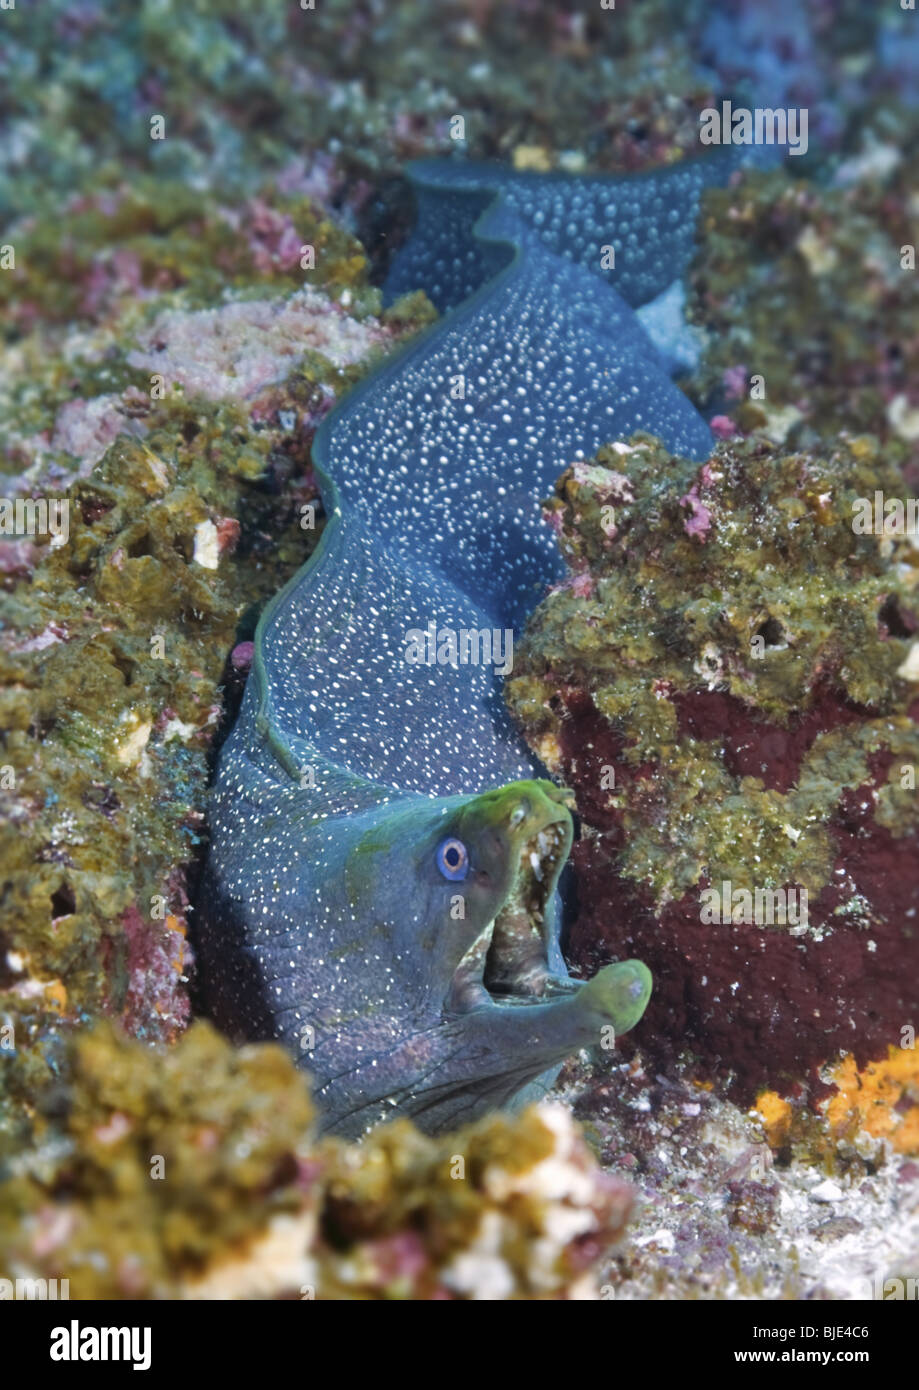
(813, 288)
(152, 1164)
(192, 1171)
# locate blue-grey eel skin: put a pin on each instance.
(381, 889)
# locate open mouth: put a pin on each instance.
(508, 961)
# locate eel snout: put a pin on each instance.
(544, 1031)
(505, 978)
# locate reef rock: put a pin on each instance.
(725, 681)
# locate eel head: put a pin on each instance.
(487, 1005)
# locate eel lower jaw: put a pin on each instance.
(507, 964)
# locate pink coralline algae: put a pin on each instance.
(232, 352)
(581, 584)
(241, 655)
(157, 960)
(228, 533)
(17, 557)
(273, 239)
(112, 275)
(319, 180)
(723, 427)
(700, 518)
(735, 381)
(86, 428)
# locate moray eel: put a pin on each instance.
(380, 893)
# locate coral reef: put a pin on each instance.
(332, 100)
(813, 289)
(172, 421)
(727, 681)
(734, 1207)
(353, 84)
(146, 1183)
(191, 504)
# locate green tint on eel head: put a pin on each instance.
(462, 891)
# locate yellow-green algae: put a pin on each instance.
(807, 285)
(113, 653)
(770, 598)
(163, 1172)
(148, 1163)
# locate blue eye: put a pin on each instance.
(452, 859)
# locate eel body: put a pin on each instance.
(381, 888)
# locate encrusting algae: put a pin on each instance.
(725, 681)
(813, 289)
(865, 1111)
(145, 1183)
(881, 1099)
(187, 506)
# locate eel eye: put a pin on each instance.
(452, 859)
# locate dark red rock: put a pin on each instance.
(756, 1006)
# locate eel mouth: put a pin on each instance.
(508, 963)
